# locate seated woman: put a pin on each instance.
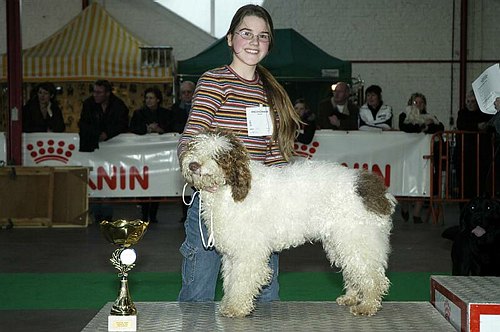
(41, 113)
(415, 119)
(308, 128)
(374, 115)
(151, 118)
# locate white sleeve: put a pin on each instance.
(366, 115)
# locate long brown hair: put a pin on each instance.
(285, 131)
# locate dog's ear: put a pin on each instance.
(236, 166)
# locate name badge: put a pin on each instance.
(259, 121)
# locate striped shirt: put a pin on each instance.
(220, 101)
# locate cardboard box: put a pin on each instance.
(44, 196)
(468, 303)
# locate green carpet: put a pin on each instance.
(92, 290)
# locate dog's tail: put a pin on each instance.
(376, 198)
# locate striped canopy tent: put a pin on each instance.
(91, 46)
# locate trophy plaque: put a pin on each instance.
(124, 233)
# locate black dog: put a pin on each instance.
(476, 247)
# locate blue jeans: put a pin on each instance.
(200, 267)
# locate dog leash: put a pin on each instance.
(211, 240)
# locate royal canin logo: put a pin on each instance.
(307, 151)
(42, 151)
(304, 150)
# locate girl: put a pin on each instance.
(230, 98)
(151, 118)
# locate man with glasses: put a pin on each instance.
(181, 109)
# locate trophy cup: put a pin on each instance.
(124, 233)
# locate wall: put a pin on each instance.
(403, 46)
(39, 20)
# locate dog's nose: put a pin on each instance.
(194, 166)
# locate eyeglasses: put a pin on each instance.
(247, 35)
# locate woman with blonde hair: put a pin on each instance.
(415, 119)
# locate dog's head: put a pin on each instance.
(215, 159)
(480, 216)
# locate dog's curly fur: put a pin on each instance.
(414, 116)
(258, 210)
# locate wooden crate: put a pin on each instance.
(44, 196)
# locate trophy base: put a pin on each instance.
(122, 323)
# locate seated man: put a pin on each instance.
(181, 109)
(338, 112)
(103, 117)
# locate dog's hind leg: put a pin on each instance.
(363, 258)
(371, 294)
(243, 278)
(351, 296)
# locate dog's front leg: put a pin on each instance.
(243, 278)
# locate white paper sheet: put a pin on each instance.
(487, 88)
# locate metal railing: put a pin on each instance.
(463, 166)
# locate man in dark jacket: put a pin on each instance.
(103, 117)
(338, 112)
(181, 109)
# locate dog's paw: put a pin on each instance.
(347, 300)
(231, 311)
(365, 309)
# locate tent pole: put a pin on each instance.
(212, 17)
(463, 52)
(15, 82)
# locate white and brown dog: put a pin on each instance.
(258, 210)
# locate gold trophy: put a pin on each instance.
(124, 233)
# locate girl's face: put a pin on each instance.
(249, 52)
(151, 101)
(43, 96)
(372, 99)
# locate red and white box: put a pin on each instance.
(468, 303)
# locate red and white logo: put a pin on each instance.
(50, 150)
(304, 150)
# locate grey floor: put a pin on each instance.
(415, 248)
